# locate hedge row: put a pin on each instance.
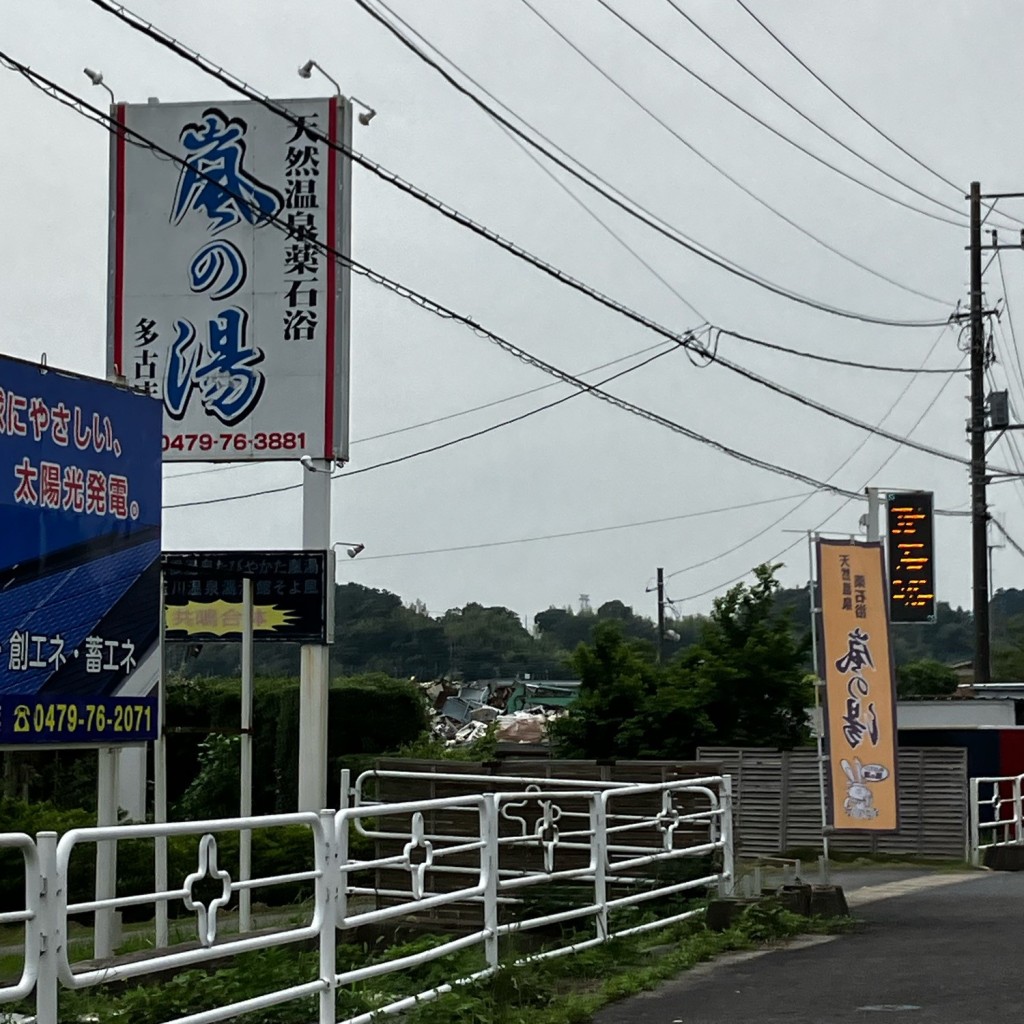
(368, 715)
(275, 851)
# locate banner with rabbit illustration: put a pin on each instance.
(860, 705)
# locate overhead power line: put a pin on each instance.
(543, 167)
(721, 170)
(770, 128)
(214, 71)
(75, 102)
(835, 414)
(832, 476)
(634, 210)
(789, 547)
(581, 533)
(803, 354)
(82, 107)
(442, 419)
(715, 332)
(810, 120)
(960, 189)
(1002, 529)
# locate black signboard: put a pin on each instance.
(911, 541)
(293, 595)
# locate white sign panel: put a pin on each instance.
(222, 302)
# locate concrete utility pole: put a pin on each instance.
(979, 481)
(661, 613)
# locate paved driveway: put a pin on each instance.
(941, 949)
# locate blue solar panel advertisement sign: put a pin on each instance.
(80, 503)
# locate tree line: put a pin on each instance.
(376, 632)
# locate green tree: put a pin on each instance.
(617, 679)
(925, 678)
(375, 632)
(487, 642)
(747, 669)
(741, 683)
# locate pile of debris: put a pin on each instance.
(519, 710)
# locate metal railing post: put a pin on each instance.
(599, 861)
(50, 940)
(975, 813)
(727, 881)
(341, 840)
(489, 863)
(327, 896)
(1018, 824)
(245, 759)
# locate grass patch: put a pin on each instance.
(563, 990)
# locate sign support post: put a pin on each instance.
(819, 716)
(245, 797)
(314, 675)
(160, 779)
(106, 851)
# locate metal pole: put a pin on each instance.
(979, 504)
(727, 884)
(328, 888)
(873, 532)
(160, 781)
(49, 925)
(245, 795)
(819, 713)
(661, 613)
(315, 663)
(106, 852)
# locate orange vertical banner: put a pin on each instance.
(860, 705)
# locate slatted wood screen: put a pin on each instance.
(777, 802)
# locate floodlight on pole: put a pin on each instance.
(352, 550)
(310, 466)
(96, 77)
(368, 113)
(306, 71)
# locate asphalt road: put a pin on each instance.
(931, 949)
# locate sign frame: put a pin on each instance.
(79, 651)
(852, 674)
(206, 571)
(238, 383)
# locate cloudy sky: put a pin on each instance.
(937, 76)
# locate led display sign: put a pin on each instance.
(909, 517)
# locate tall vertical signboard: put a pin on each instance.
(860, 711)
(80, 505)
(224, 304)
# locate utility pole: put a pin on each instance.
(661, 613)
(979, 503)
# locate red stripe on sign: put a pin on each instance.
(119, 155)
(332, 276)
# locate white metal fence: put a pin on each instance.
(604, 849)
(997, 814)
